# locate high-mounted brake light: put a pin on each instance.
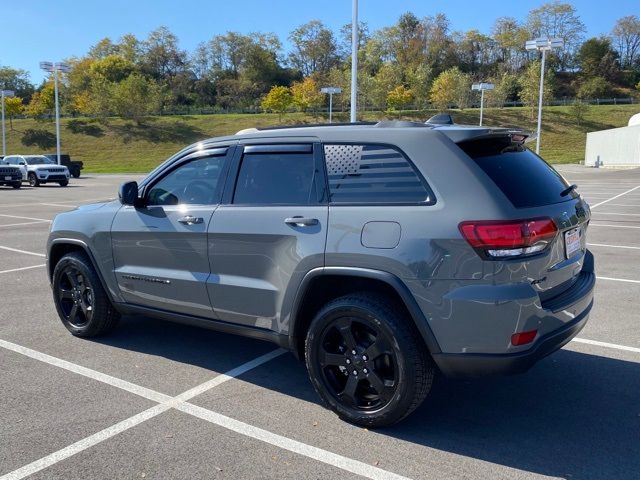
(498, 239)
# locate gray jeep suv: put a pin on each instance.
(379, 253)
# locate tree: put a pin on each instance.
(278, 100)
(506, 88)
(510, 36)
(595, 87)
(419, 80)
(112, 68)
(43, 101)
(579, 110)
(135, 97)
(451, 87)
(16, 80)
(314, 48)
(626, 36)
(558, 20)
(530, 86)
(306, 95)
(13, 106)
(597, 58)
(399, 98)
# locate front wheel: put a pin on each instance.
(81, 302)
(33, 179)
(366, 361)
(17, 184)
(64, 183)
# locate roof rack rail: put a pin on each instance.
(313, 125)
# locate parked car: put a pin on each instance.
(378, 253)
(38, 169)
(10, 176)
(74, 166)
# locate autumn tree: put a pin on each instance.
(451, 87)
(626, 36)
(399, 98)
(42, 102)
(13, 106)
(306, 95)
(278, 100)
(530, 86)
(314, 48)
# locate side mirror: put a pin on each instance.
(128, 193)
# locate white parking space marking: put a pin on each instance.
(622, 214)
(22, 251)
(624, 205)
(324, 456)
(611, 246)
(58, 205)
(613, 198)
(22, 268)
(612, 226)
(85, 443)
(25, 218)
(24, 223)
(61, 203)
(618, 279)
(179, 402)
(606, 345)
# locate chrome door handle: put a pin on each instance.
(189, 220)
(301, 221)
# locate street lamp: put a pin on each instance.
(54, 68)
(5, 94)
(482, 87)
(354, 59)
(542, 45)
(331, 91)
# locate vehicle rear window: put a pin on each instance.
(373, 174)
(525, 178)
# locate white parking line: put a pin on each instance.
(613, 198)
(611, 246)
(179, 402)
(622, 214)
(24, 223)
(58, 205)
(618, 279)
(606, 345)
(612, 226)
(21, 268)
(624, 205)
(25, 218)
(22, 251)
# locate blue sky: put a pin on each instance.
(34, 30)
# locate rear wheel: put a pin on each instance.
(81, 302)
(366, 361)
(33, 179)
(17, 184)
(75, 172)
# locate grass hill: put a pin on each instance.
(117, 145)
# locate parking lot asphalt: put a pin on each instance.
(161, 400)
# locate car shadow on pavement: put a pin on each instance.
(574, 415)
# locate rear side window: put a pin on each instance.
(276, 179)
(525, 178)
(373, 174)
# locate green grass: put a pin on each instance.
(117, 145)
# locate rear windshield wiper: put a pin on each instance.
(568, 190)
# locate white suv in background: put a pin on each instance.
(38, 169)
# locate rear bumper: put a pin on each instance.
(577, 301)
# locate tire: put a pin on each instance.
(64, 183)
(389, 383)
(75, 172)
(16, 185)
(75, 280)
(33, 179)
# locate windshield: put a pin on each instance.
(39, 160)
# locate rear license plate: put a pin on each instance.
(572, 241)
(8, 178)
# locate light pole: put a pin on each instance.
(354, 60)
(482, 87)
(54, 68)
(331, 91)
(542, 45)
(5, 94)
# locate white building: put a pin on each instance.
(616, 147)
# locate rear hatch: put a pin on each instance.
(550, 258)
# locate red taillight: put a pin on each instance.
(511, 238)
(523, 338)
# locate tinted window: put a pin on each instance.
(276, 178)
(525, 178)
(197, 183)
(39, 160)
(373, 174)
